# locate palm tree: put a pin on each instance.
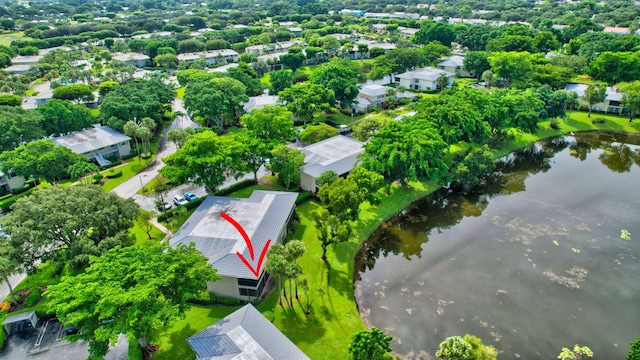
(442, 81)
(487, 77)
(276, 265)
(294, 249)
(391, 95)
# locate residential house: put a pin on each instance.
(338, 153)
(297, 31)
(379, 28)
(244, 334)
(97, 143)
(159, 34)
(616, 30)
(264, 216)
(211, 57)
(135, 59)
(611, 104)
(423, 79)
(283, 46)
(9, 182)
(407, 32)
(26, 60)
(260, 101)
(371, 95)
(43, 96)
(455, 64)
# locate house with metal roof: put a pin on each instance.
(264, 216)
(423, 79)
(244, 334)
(339, 153)
(611, 104)
(211, 57)
(455, 64)
(97, 143)
(135, 59)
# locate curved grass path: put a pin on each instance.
(326, 333)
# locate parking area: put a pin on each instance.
(45, 342)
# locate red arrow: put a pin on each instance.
(249, 245)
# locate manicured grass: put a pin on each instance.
(129, 170)
(95, 112)
(265, 80)
(150, 187)
(271, 185)
(141, 236)
(338, 118)
(8, 37)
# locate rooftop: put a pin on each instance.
(260, 101)
(82, 142)
(244, 334)
(428, 73)
(19, 60)
(374, 90)
(130, 57)
(262, 216)
(454, 61)
(612, 93)
(207, 54)
(338, 153)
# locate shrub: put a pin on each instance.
(5, 306)
(554, 124)
(598, 121)
(206, 298)
(303, 197)
(235, 187)
(35, 294)
(130, 156)
(97, 177)
(114, 174)
(146, 155)
(5, 197)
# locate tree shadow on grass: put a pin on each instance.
(339, 281)
(302, 328)
(179, 349)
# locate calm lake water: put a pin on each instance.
(531, 263)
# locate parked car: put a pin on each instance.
(163, 206)
(343, 129)
(179, 200)
(190, 196)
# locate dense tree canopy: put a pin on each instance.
(73, 222)
(305, 99)
(132, 290)
(339, 78)
(369, 345)
(18, 126)
(217, 101)
(62, 117)
(286, 162)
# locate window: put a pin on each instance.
(247, 282)
(248, 292)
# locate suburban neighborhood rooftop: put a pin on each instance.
(92, 139)
(337, 153)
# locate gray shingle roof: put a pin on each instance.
(82, 142)
(244, 334)
(338, 153)
(262, 216)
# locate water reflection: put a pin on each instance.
(530, 272)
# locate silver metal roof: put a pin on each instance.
(98, 137)
(338, 153)
(262, 216)
(427, 73)
(244, 334)
(612, 93)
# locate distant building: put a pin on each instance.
(96, 143)
(9, 182)
(616, 30)
(26, 60)
(283, 46)
(338, 153)
(244, 334)
(264, 216)
(611, 104)
(455, 64)
(135, 59)
(211, 57)
(423, 79)
(159, 34)
(260, 101)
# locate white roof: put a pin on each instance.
(85, 141)
(612, 93)
(224, 68)
(338, 153)
(130, 57)
(454, 61)
(278, 46)
(18, 68)
(260, 101)
(207, 54)
(156, 34)
(386, 46)
(374, 90)
(428, 73)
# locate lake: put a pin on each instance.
(544, 256)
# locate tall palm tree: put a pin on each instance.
(442, 81)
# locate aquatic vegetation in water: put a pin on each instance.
(578, 274)
(625, 234)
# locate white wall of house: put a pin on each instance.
(11, 182)
(227, 287)
(307, 182)
(421, 84)
(119, 150)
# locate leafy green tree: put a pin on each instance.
(326, 177)
(472, 166)
(217, 101)
(476, 62)
(368, 183)
(74, 222)
(248, 77)
(594, 94)
(286, 162)
(631, 97)
(280, 80)
(179, 136)
(330, 229)
(315, 133)
(5, 60)
(272, 124)
(205, 159)
(276, 264)
(514, 67)
(18, 126)
(455, 348)
(132, 290)
(511, 43)
(40, 159)
(106, 87)
(292, 61)
(433, 52)
(634, 351)
(370, 345)
(305, 99)
(63, 117)
(342, 198)
(77, 92)
(10, 100)
(338, 77)
(167, 61)
(479, 350)
(615, 67)
(488, 77)
(404, 151)
(80, 169)
(8, 265)
(578, 353)
(363, 130)
(435, 31)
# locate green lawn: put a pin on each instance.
(133, 166)
(95, 112)
(180, 93)
(338, 118)
(141, 236)
(7, 37)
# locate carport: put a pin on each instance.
(20, 322)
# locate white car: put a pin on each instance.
(179, 200)
(343, 129)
